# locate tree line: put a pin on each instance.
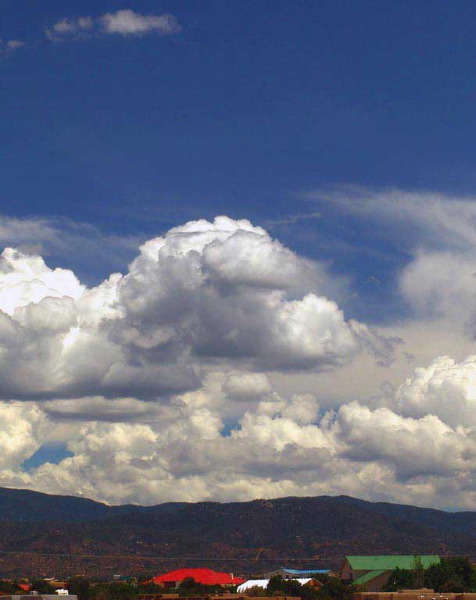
(450, 575)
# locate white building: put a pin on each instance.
(263, 583)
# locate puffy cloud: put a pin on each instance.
(227, 290)
(428, 427)
(445, 388)
(278, 447)
(416, 450)
(21, 430)
(26, 280)
(413, 447)
(128, 22)
(186, 457)
(279, 432)
(124, 22)
(171, 374)
(203, 293)
(247, 386)
(168, 370)
(303, 409)
(266, 455)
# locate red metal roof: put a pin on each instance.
(205, 576)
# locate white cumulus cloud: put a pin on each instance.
(278, 446)
(21, 431)
(163, 379)
(445, 388)
(128, 22)
(205, 293)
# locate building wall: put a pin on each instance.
(378, 583)
(39, 597)
(347, 574)
(423, 594)
(219, 597)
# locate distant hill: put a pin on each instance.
(26, 505)
(30, 506)
(61, 535)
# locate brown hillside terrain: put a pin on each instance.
(61, 536)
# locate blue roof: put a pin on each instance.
(305, 571)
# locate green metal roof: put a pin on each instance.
(390, 562)
(368, 576)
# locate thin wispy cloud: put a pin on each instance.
(436, 234)
(69, 241)
(291, 220)
(124, 22)
(10, 46)
(436, 220)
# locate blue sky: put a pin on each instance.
(346, 131)
(248, 107)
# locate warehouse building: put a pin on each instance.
(173, 579)
(373, 572)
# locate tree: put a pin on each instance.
(8, 587)
(190, 587)
(42, 587)
(290, 587)
(335, 589)
(114, 591)
(451, 575)
(79, 586)
(332, 588)
(418, 573)
(149, 587)
(400, 579)
(256, 592)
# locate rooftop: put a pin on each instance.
(391, 562)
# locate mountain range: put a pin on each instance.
(47, 535)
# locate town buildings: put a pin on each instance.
(420, 594)
(39, 597)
